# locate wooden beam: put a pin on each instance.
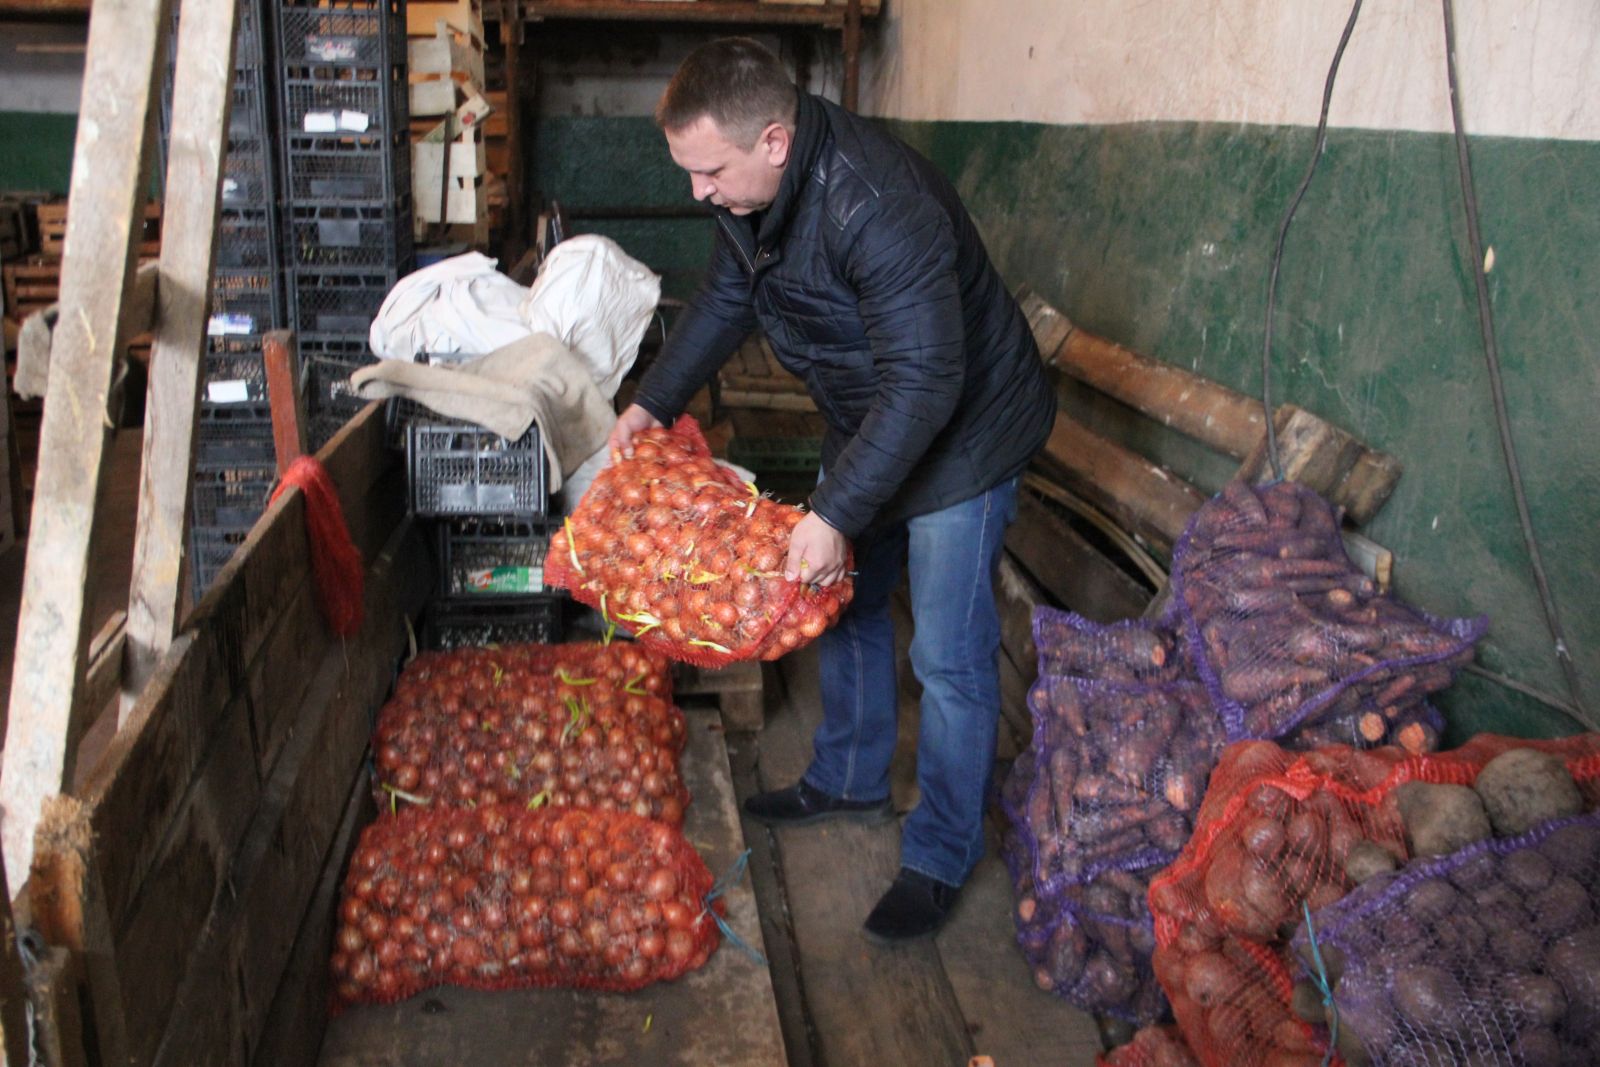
(1366, 488)
(1148, 500)
(1075, 573)
(203, 80)
(767, 401)
(110, 180)
(69, 910)
(282, 358)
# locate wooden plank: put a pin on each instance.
(1069, 568)
(1148, 500)
(748, 12)
(14, 1006)
(867, 1004)
(69, 911)
(1366, 488)
(202, 79)
(1220, 418)
(767, 401)
(220, 1008)
(281, 357)
(1311, 450)
(739, 690)
(723, 1013)
(1012, 1020)
(1017, 596)
(58, 1032)
(109, 183)
(298, 1016)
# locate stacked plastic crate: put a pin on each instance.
(347, 203)
(488, 501)
(234, 458)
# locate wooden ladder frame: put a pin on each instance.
(61, 680)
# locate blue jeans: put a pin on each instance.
(953, 554)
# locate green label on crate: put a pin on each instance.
(505, 580)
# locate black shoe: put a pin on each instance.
(915, 906)
(800, 805)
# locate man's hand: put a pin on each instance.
(817, 552)
(632, 420)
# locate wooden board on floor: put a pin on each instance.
(968, 991)
(738, 690)
(723, 1013)
(867, 1004)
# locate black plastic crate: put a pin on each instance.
(231, 498)
(244, 302)
(340, 303)
(365, 168)
(357, 32)
(503, 620)
(209, 551)
(246, 239)
(247, 173)
(491, 557)
(350, 235)
(379, 94)
(328, 390)
(235, 371)
(235, 435)
(456, 469)
(320, 429)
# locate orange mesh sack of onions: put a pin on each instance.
(688, 558)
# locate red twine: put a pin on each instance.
(335, 562)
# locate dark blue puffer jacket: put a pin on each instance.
(870, 280)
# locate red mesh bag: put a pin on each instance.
(515, 724)
(1289, 636)
(1153, 1046)
(501, 898)
(688, 558)
(1272, 838)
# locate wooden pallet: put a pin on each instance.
(53, 229)
(31, 285)
(738, 689)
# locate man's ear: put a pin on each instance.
(776, 140)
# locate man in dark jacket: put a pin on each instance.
(858, 261)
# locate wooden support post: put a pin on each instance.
(57, 1023)
(69, 910)
(110, 180)
(13, 989)
(512, 33)
(203, 81)
(851, 93)
(282, 358)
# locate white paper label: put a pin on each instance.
(354, 121)
(236, 392)
(321, 122)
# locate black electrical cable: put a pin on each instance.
(1491, 356)
(1283, 233)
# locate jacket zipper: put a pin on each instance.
(749, 266)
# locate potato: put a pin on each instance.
(1537, 998)
(1367, 859)
(1574, 962)
(1430, 999)
(1573, 848)
(1524, 788)
(1561, 906)
(1430, 899)
(1526, 869)
(1440, 819)
(1306, 1003)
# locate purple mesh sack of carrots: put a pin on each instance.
(1104, 796)
(1291, 639)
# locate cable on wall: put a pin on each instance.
(1283, 233)
(1491, 355)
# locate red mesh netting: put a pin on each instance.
(499, 898)
(1153, 1046)
(566, 725)
(689, 558)
(1272, 836)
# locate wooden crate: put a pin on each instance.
(32, 285)
(53, 229)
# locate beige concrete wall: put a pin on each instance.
(1528, 68)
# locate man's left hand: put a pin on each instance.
(817, 552)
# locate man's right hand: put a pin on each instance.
(632, 420)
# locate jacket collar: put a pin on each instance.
(809, 129)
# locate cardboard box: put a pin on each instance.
(467, 199)
(465, 16)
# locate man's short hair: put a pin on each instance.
(734, 81)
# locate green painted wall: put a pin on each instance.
(38, 151)
(1158, 236)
